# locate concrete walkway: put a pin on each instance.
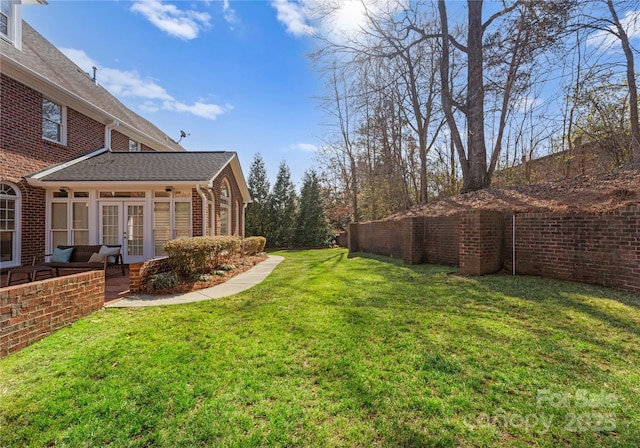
(239, 283)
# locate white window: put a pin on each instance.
(9, 225)
(53, 121)
(69, 220)
(134, 146)
(225, 208)
(5, 18)
(171, 218)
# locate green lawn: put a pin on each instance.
(338, 350)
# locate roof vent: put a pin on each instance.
(95, 69)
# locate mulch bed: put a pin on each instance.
(242, 264)
(590, 194)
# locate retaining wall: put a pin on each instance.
(601, 248)
(31, 311)
(139, 273)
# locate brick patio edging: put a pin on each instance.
(139, 273)
(31, 311)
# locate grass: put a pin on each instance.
(338, 350)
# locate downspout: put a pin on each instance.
(244, 213)
(203, 196)
(513, 245)
(107, 133)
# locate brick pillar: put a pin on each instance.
(134, 277)
(480, 235)
(413, 232)
(353, 237)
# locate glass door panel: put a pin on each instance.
(122, 223)
(111, 221)
(135, 230)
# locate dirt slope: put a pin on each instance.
(580, 194)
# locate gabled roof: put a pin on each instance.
(43, 67)
(139, 167)
(106, 167)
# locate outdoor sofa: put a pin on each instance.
(86, 257)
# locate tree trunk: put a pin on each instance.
(445, 93)
(631, 80)
(476, 148)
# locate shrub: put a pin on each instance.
(254, 245)
(200, 254)
(164, 280)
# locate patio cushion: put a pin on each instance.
(110, 252)
(61, 255)
(96, 258)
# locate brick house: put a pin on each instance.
(78, 167)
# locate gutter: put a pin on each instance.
(107, 133)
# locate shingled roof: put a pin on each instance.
(134, 167)
(39, 60)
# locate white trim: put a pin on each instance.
(17, 243)
(205, 211)
(238, 176)
(57, 168)
(14, 25)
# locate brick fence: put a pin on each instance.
(602, 248)
(31, 311)
(139, 273)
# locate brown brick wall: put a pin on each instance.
(441, 245)
(196, 213)
(139, 273)
(31, 311)
(603, 249)
(227, 173)
(119, 141)
(480, 237)
(387, 238)
(24, 151)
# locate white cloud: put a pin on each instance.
(605, 39)
(306, 147)
(199, 109)
(178, 23)
(294, 15)
(129, 84)
(229, 13)
(336, 19)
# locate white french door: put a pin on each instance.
(122, 222)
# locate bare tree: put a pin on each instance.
(507, 52)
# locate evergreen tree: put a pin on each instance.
(282, 210)
(312, 226)
(257, 213)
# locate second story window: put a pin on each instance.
(134, 146)
(5, 18)
(52, 121)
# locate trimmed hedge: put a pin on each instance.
(254, 245)
(200, 254)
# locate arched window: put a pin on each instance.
(225, 208)
(9, 225)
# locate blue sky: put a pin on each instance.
(234, 75)
(231, 74)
